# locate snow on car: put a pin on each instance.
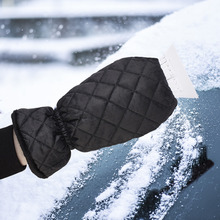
(141, 179)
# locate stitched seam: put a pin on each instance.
(25, 120)
(148, 60)
(86, 132)
(51, 149)
(100, 119)
(130, 90)
(90, 97)
(148, 111)
(118, 125)
(124, 108)
(36, 140)
(33, 118)
(37, 132)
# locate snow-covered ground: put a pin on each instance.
(195, 33)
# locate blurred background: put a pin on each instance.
(71, 31)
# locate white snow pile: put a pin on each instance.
(194, 31)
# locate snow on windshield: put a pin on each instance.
(194, 31)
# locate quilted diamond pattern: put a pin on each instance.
(41, 140)
(121, 99)
(124, 100)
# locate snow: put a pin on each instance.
(90, 8)
(195, 33)
(27, 197)
(148, 157)
(27, 85)
(24, 196)
(61, 49)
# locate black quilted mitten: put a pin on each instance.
(124, 100)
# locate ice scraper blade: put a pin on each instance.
(176, 75)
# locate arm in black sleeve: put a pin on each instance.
(124, 100)
(9, 162)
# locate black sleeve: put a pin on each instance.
(9, 163)
(124, 100)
